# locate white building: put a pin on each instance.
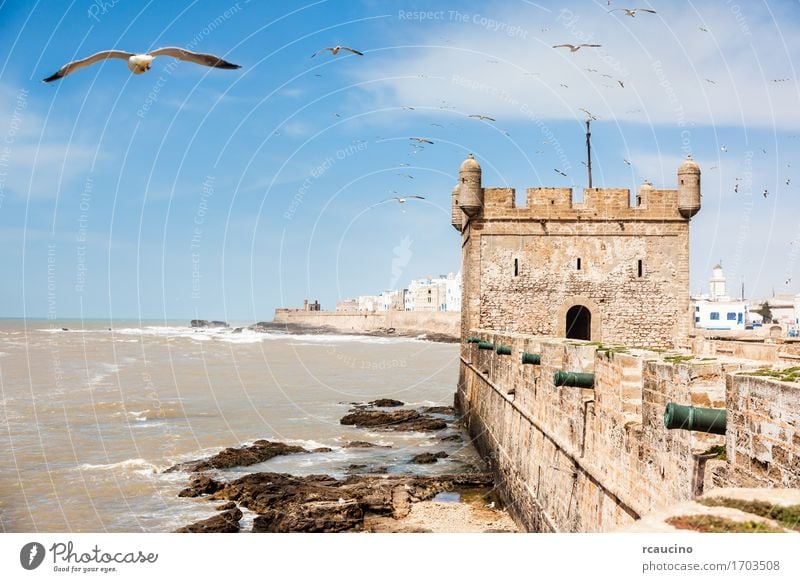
(453, 288)
(393, 300)
(717, 310)
(794, 329)
(369, 303)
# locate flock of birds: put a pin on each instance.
(139, 63)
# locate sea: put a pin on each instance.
(93, 412)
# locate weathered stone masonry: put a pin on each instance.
(579, 459)
(524, 268)
(573, 459)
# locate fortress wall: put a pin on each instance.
(763, 437)
(404, 322)
(573, 459)
(787, 353)
(650, 310)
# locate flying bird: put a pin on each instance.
(421, 140)
(710, 81)
(626, 161)
(632, 11)
(483, 117)
(335, 50)
(559, 171)
(573, 48)
(591, 116)
(766, 192)
(400, 199)
(140, 63)
(621, 84)
(724, 148)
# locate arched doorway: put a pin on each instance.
(579, 323)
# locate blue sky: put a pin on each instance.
(193, 192)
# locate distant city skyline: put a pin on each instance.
(192, 192)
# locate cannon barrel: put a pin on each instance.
(504, 350)
(578, 379)
(485, 346)
(473, 339)
(529, 358)
(712, 420)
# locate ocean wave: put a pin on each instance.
(134, 465)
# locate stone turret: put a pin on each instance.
(643, 195)
(688, 187)
(471, 192)
(456, 214)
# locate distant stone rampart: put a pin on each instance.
(441, 325)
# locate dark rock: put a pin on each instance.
(238, 330)
(64, 329)
(322, 450)
(356, 467)
(319, 503)
(225, 506)
(386, 402)
(258, 452)
(448, 410)
(206, 323)
(401, 420)
(313, 516)
(363, 445)
(225, 522)
(201, 486)
(426, 458)
(453, 438)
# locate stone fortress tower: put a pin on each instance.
(601, 270)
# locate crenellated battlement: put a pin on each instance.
(601, 203)
(611, 266)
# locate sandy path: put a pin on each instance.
(440, 517)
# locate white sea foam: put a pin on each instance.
(137, 465)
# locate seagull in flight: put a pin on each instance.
(592, 117)
(632, 11)
(483, 117)
(559, 171)
(140, 63)
(335, 50)
(421, 140)
(400, 199)
(573, 48)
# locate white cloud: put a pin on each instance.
(671, 70)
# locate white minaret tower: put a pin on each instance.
(716, 285)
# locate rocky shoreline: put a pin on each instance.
(285, 503)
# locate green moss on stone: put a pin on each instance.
(786, 515)
(716, 524)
